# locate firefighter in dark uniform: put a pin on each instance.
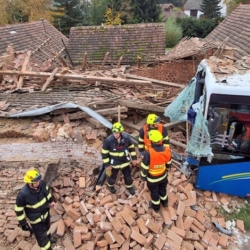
(34, 201)
(153, 123)
(154, 166)
(117, 151)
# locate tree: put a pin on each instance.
(97, 11)
(124, 7)
(211, 8)
(146, 11)
(15, 11)
(112, 17)
(232, 4)
(39, 9)
(173, 32)
(193, 27)
(4, 17)
(69, 13)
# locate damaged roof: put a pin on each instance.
(145, 40)
(35, 36)
(193, 5)
(237, 27)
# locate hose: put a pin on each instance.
(223, 230)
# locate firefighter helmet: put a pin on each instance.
(117, 127)
(32, 176)
(155, 135)
(153, 119)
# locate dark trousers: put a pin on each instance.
(158, 193)
(127, 177)
(41, 230)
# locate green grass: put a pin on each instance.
(240, 213)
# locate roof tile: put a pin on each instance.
(237, 27)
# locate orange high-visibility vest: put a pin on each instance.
(147, 142)
(158, 161)
(246, 135)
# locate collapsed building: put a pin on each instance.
(58, 99)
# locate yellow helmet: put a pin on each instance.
(153, 119)
(32, 176)
(117, 127)
(155, 135)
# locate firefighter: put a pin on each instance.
(34, 200)
(117, 151)
(153, 123)
(154, 166)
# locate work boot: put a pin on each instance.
(151, 206)
(131, 190)
(53, 240)
(112, 190)
(164, 203)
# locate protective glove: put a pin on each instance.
(26, 227)
(108, 171)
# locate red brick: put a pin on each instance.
(68, 244)
(174, 237)
(160, 241)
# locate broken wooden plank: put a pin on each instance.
(103, 112)
(173, 124)
(107, 80)
(26, 61)
(105, 59)
(84, 61)
(168, 126)
(143, 106)
(49, 79)
(103, 101)
(155, 81)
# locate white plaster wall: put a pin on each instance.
(187, 12)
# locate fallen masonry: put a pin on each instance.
(88, 219)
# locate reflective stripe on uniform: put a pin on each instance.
(110, 184)
(38, 204)
(105, 151)
(143, 175)
(133, 153)
(121, 165)
(46, 247)
(156, 202)
(144, 166)
(106, 160)
(18, 209)
(42, 217)
(164, 197)
(166, 138)
(129, 186)
(158, 179)
(117, 154)
(140, 139)
(21, 217)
